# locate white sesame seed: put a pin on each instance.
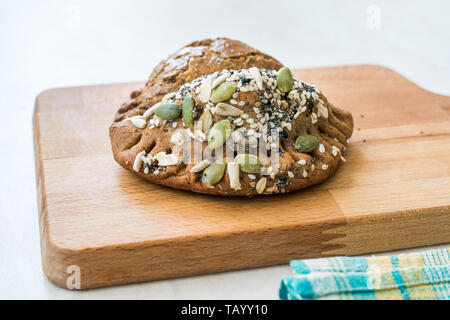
(305, 173)
(321, 148)
(232, 101)
(174, 124)
(235, 95)
(302, 162)
(244, 116)
(324, 167)
(256, 110)
(334, 152)
(291, 174)
(242, 103)
(251, 176)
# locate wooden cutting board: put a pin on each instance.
(393, 192)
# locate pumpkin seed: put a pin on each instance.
(223, 92)
(306, 143)
(213, 173)
(218, 134)
(249, 163)
(187, 109)
(285, 80)
(168, 111)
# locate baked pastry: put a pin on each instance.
(242, 132)
(190, 62)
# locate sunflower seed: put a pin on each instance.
(150, 111)
(204, 123)
(225, 109)
(322, 111)
(219, 80)
(205, 88)
(261, 185)
(200, 166)
(166, 159)
(257, 76)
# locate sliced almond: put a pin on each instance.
(166, 159)
(205, 89)
(225, 109)
(200, 166)
(257, 76)
(233, 174)
(205, 122)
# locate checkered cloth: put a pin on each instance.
(423, 275)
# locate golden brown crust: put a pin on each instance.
(297, 170)
(190, 62)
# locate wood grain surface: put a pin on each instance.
(393, 192)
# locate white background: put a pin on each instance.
(46, 44)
